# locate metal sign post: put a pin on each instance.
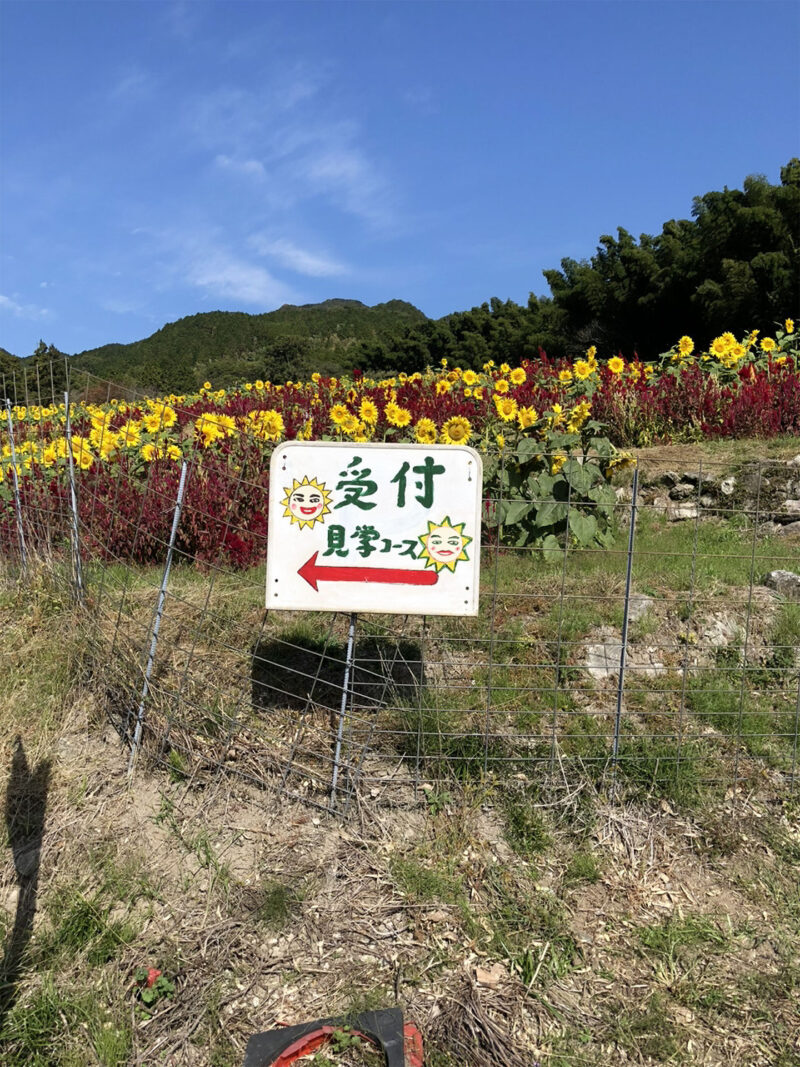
(392, 529)
(23, 555)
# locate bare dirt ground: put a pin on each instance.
(678, 945)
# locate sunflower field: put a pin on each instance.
(552, 434)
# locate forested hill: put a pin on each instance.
(228, 346)
(734, 265)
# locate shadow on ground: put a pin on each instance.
(26, 804)
(303, 672)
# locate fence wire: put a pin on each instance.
(664, 663)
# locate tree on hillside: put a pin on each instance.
(735, 265)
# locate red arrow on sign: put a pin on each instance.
(314, 573)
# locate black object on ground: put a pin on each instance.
(384, 1027)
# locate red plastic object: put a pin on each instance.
(412, 1039)
(309, 1043)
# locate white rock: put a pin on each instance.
(787, 583)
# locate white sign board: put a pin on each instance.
(374, 527)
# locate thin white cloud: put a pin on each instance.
(345, 175)
(120, 307)
(285, 137)
(249, 167)
(221, 274)
(134, 84)
(421, 99)
(300, 260)
(22, 311)
(181, 19)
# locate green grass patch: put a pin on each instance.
(422, 883)
(660, 767)
(276, 903)
(583, 868)
(59, 1025)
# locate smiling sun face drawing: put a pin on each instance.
(306, 502)
(444, 544)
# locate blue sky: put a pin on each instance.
(161, 159)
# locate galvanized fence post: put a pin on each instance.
(348, 667)
(162, 596)
(625, 618)
(77, 572)
(23, 555)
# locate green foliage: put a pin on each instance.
(227, 347)
(553, 488)
(734, 265)
(61, 1026)
(526, 830)
(152, 986)
(582, 869)
(277, 903)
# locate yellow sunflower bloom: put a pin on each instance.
(368, 411)
(583, 370)
(507, 407)
(517, 376)
(527, 416)
(456, 431)
(718, 347)
(425, 432)
(397, 416)
(338, 414)
(616, 365)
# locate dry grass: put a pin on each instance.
(513, 922)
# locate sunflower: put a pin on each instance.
(583, 370)
(443, 386)
(506, 407)
(719, 347)
(517, 376)
(471, 378)
(368, 411)
(350, 424)
(396, 415)
(557, 462)
(266, 425)
(212, 427)
(149, 452)
(789, 325)
(565, 376)
(151, 422)
(501, 386)
(767, 344)
(685, 346)
(616, 365)
(526, 417)
(425, 432)
(456, 431)
(338, 414)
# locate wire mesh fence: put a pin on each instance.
(659, 659)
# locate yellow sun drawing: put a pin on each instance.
(444, 544)
(306, 502)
